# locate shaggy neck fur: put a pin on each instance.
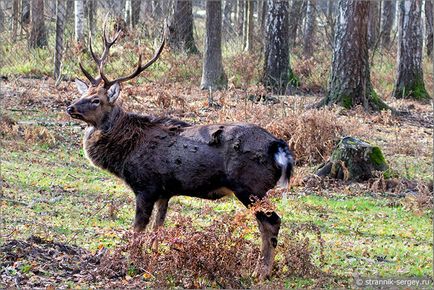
(108, 145)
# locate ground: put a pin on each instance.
(58, 207)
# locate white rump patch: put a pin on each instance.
(283, 159)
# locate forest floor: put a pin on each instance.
(66, 223)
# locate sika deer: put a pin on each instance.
(161, 157)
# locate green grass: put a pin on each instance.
(68, 200)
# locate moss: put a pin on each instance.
(377, 158)
(347, 102)
(293, 80)
(415, 90)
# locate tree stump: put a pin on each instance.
(353, 159)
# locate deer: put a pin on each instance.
(161, 157)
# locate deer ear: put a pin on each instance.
(81, 86)
(113, 92)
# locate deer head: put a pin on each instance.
(98, 99)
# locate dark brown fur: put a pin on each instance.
(162, 157)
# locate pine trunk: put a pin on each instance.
(181, 28)
(276, 66)
(79, 20)
(387, 18)
(38, 34)
(213, 75)
(429, 27)
(309, 32)
(60, 27)
(350, 83)
(409, 80)
(374, 23)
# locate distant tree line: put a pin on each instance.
(274, 27)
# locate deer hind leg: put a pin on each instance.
(160, 216)
(144, 207)
(269, 225)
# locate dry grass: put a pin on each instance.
(219, 255)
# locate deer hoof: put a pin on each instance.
(262, 272)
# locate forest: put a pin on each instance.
(340, 95)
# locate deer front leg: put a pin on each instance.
(144, 208)
(269, 226)
(160, 216)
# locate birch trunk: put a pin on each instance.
(350, 83)
(248, 45)
(79, 20)
(276, 65)
(409, 80)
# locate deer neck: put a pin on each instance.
(104, 145)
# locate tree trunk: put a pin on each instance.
(25, 12)
(409, 81)
(330, 25)
(157, 11)
(79, 21)
(2, 18)
(38, 34)
(227, 15)
(91, 10)
(145, 10)
(373, 23)
(248, 44)
(387, 19)
(310, 28)
(429, 27)
(60, 27)
(263, 16)
(213, 75)
(295, 18)
(350, 82)
(353, 159)
(240, 17)
(181, 28)
(135, 14)
(14, 20)
(276, 65)
(128, 12)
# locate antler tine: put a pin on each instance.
(93, 81)
(139, 67)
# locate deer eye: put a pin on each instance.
(95, 101)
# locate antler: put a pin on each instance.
(138, 70)
(100, 61)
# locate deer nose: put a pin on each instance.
(70, 110)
